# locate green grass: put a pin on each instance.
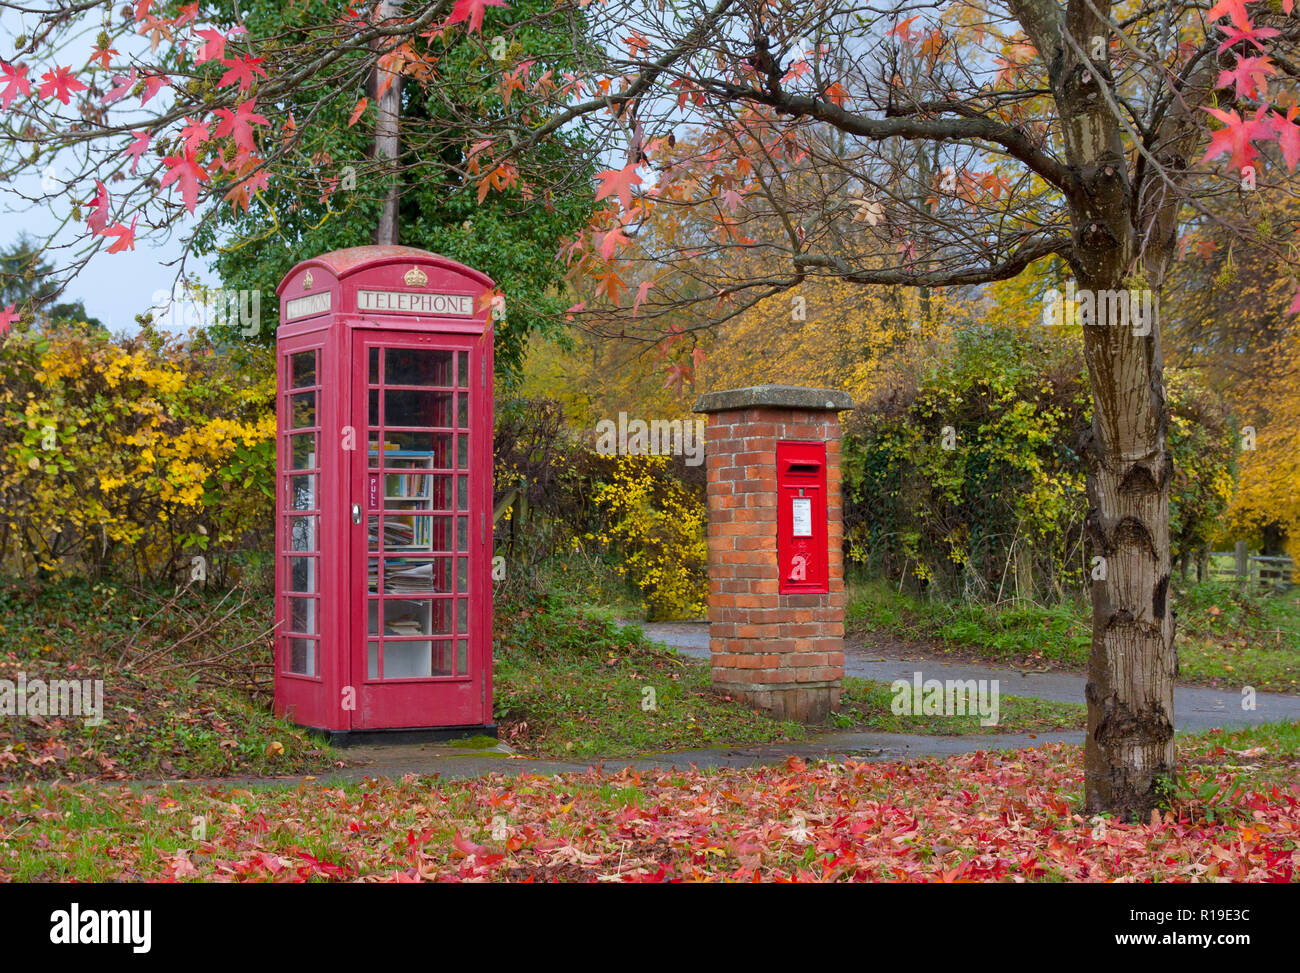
(569, 682)
(1271, 749)
(160, 720)
(868, 705)
(1229, 636)
(1225, 636)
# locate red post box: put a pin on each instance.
(801, 517)
(383, 602)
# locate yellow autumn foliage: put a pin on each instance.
(130, 454)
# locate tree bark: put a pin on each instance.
(1121, 239)
(388, 105)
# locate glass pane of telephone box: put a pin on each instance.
(302, 369)
(302, 451)
(442, 658)
(407, 576)
(417, 366)
(416, 407)
(302, 533)
(404, 617)
(302, 575)
(407, 660)
(302, 410)
(302, 492)
(302, 656)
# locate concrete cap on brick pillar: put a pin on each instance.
(781, 396)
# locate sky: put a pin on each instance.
(114, 287)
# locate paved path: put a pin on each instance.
(1195, 707)
(455, 763)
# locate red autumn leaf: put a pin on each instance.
(101, 54)
(1235, 139)
(356, 112)
(121, 87)
(239, 124)
(678, 374)
(194, 134)
(904, 31)
(241, 70)
(610, 286)
(188, 174)
(836, 94)
(7, 317)
(60, 83)
(1236, 9)
(153, 84)
(125, 236)
(240, 194)
(619, 182)
(214, 49)
(16, 83)
(1248, 77)
(98, 218)
(1244, 30)
(610, 243)
(137, 148)
(472, 10)
(641, 293)
(1288, 135)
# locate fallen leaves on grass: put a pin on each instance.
(980, 817)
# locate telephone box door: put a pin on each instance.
(418, 478)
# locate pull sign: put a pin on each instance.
(374, 491)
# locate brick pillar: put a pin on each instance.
(783, 653)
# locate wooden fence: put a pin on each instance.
(1277, 573)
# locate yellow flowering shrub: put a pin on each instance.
(131, 454)
(659, 526)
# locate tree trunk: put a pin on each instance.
(388, 105)
(1124, 234)
(1131, 667)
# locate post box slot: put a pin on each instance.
(803, 469)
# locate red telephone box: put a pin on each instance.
(801, 517)
(383, 602)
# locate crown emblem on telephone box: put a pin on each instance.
(415, 277)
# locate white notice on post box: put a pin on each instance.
(801, 517)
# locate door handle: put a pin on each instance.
(356, 513)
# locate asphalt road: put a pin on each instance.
(1195, 707)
